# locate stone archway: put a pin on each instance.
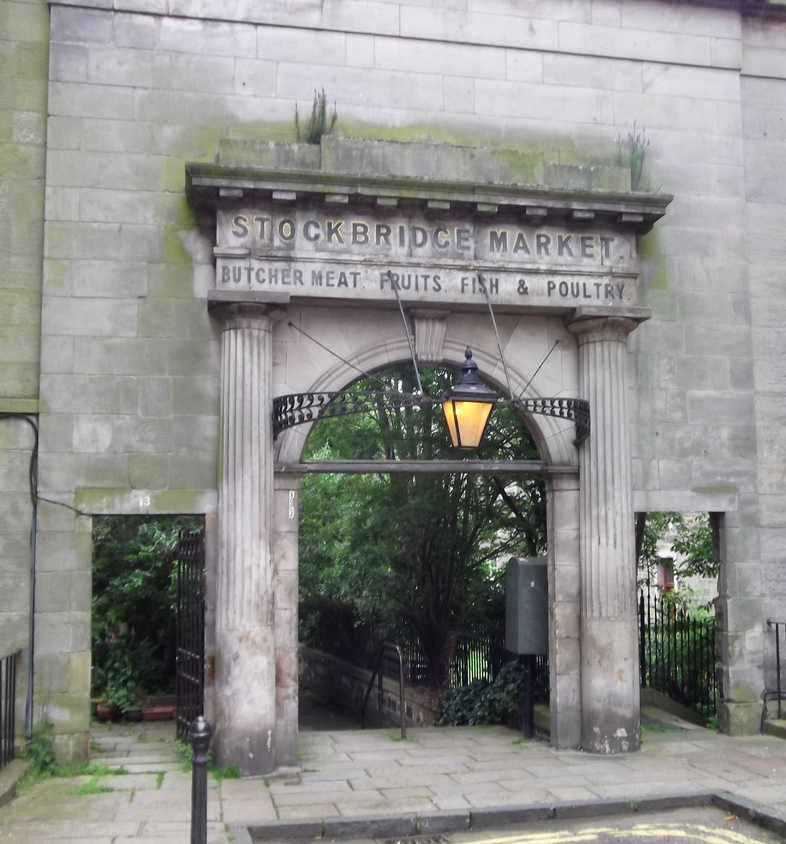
(554, 439)
(287, 259)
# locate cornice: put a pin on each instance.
(213, 185)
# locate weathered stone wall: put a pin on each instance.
(24, 31)
(763, 88)
(129, 357)
(344, 685)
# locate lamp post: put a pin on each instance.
(467, 406)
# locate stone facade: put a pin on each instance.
(106, 333)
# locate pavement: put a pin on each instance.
(370, 783)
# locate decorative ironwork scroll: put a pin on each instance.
(300, 408)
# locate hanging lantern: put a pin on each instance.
(467, 406)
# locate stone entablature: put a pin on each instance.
(334, 236)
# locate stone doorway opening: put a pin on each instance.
(411, 553)
(134, 620)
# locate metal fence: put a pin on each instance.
(677, 653)
(7, 706)
(477, 657)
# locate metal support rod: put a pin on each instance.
(377, 674)
(528, 696)
(407, 333)
(200, 734)
(496, 334)
(402, 704)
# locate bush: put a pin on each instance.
(40, 752)
(134, 595)
(482, 702)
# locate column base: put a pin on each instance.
(251, 751)
(740, 719)
(611, 697)
(610, 734)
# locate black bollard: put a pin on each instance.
(200, 733)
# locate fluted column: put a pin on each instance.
(610, 698)
(245, 642)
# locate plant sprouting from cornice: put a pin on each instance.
(319, 123)
(632, 151)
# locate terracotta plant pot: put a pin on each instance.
(106, 711)
(158, 713)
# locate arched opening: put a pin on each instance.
(414, 553)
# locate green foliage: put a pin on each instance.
(225, 772)
(418, 557)
(133, 618)
(42, 762)
(688, 537)
(633, 151)
(484, 703)
(185, 751)
(40, 752)
(694, 547)
(92, 786)
(318, 123)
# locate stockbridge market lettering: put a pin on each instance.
(307, 233)
(362, 281)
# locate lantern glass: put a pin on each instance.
(467, 406)
(466, 421)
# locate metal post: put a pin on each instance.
(642, 634)
(402, 704)
(528, 696)
(778, 664)
(200, 734)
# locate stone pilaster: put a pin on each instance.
(610, 699)
(285, 559)
(245, 641)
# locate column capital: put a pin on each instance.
(597, 324)
(234, 315)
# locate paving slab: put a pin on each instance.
(450, 775)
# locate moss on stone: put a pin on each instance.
(69, 713)
(653, 260)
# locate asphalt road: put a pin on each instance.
(684, 826)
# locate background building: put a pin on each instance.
(105, 335)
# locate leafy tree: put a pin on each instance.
(415, 554)
(696, 547)
(691, 541)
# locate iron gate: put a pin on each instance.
(190, 671)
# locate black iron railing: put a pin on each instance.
(7, 706)
(780, 629)
(390, 657)
(677, 653)
(190, 660)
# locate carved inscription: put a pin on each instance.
(311, 252)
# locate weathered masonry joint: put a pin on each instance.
(333, 251)
(513, 155)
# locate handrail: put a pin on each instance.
(778, 624)
(7, 706)
(377, 673)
